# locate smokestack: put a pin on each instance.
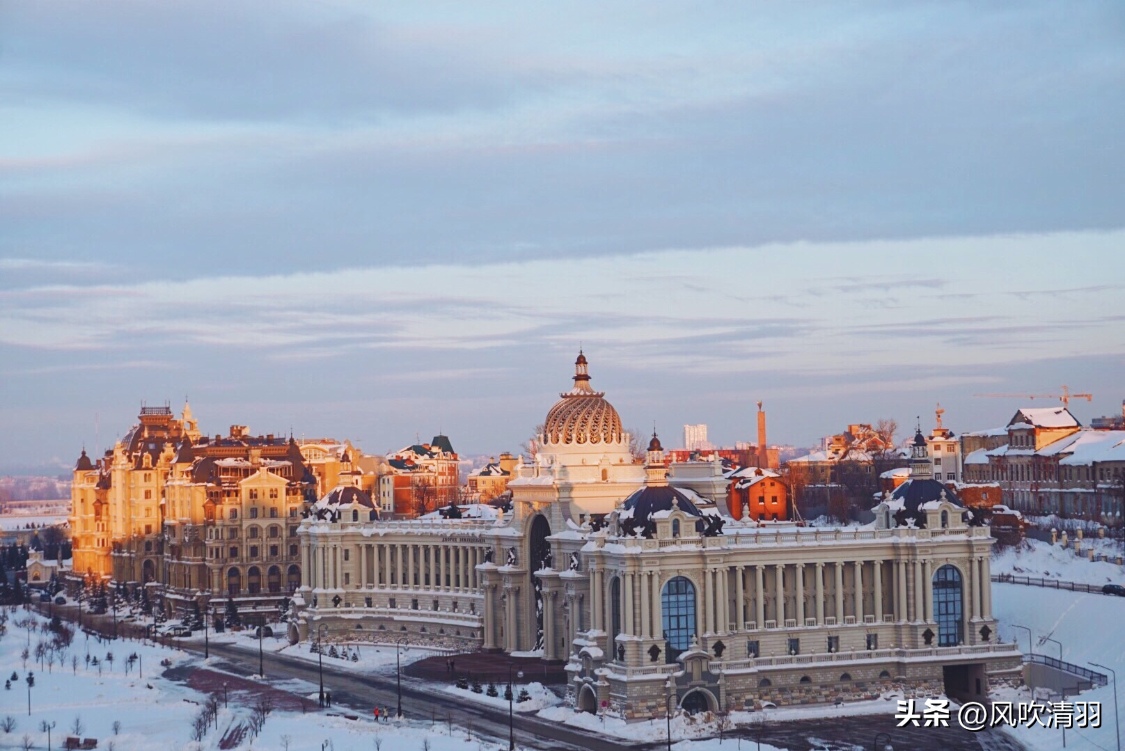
(763, 459)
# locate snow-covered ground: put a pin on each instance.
(155, 713)
(14, 522)
(541, 697)
(1089, 627)
(1038, 558)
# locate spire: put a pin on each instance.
(656, 471)
(581, 374)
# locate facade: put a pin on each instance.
(1045, 463)
(758, 494)
(695, 437)
(491, 480)
(651, 593)
(427, 477)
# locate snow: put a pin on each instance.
(1040, 559)
(541, 697)
(1048, 417)
(156, 713)
(1072, 618)
(17, 522)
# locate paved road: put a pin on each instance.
(421, 700)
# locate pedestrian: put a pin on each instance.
(452, 666)
(376, 714)
(328, 698)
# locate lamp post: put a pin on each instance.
(398, 675)
(1030, 643)
(47, 727)
(261, 633)
(320, 658)
(1056, 642)
(668, 710)
(1116, 722)
(206, 637)
(511, 712)
(30, 683)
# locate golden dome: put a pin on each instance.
(583, 415)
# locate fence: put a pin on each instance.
(1031, 581)
(1093, 676)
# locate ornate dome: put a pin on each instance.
(583, 415)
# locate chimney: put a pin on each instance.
(763, 459)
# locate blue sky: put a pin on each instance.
(347, 221)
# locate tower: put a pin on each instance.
(763, 454)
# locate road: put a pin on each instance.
(359, 693)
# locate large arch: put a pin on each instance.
(539, 557)
(234, 582)
(254, 580)
(949, 608)
(293, 578)
(587, 700)
(273, 579)
(698, 700)
(148, 571)
(677, 607)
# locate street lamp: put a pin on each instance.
(30, 683)
(1116, 722)
(1030, 644)
(320, 657)
(511, 713)
(668, 710)
(1057, 643)
(47, 727)
(398, 674)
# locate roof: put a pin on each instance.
(185, 455)
(346, 496)
(1045, 417)
(84, 464)
(441, 443)
(910, 499)
(642, 504)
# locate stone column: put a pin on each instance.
(595, 599)
(740, 597)
(511, 637)
(306, 574)
(627, 605)
(919, 608)
(549, 651)
(902, 605)
(858, 591)
(819, 593)
(974, 578)
(398, 564)
(657, 608)
(779, 594)
(759, 595)
(839, 566)
(490, 617)
(724, 601)
(800, 572)
(986, 588)
(928, 589)
(642, 582)
(361, 559)
(878, 584)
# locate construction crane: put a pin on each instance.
(1064, 397)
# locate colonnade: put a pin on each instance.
(437, 566)
(736, 598)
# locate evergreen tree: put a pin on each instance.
(231, 618)
(492, 690)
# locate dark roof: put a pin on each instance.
(649, 500)
(103, 482)
(916, 493)
(84, 463)
(442, 443)
(654, 444)
(919, 439)
(185, 455)
(205, 470)
(346, 496)
(345, 458)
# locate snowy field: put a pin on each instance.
(1089, 627)
(13, 522)
(1041, 559)
(155, 713)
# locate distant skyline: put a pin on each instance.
(347, 221)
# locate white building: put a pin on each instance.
(695, 437)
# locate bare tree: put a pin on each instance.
(77, 727)
(424, 490)
(378, 740)
(636, 447)
(259, 712)
(117, 727)
(25, 743)
(8, 724)
(286, 740)
(531, 445)
(199, 726)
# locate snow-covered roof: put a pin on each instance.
(989, 433)
(1095, 446)
(980, 456)
(891, 474)
(1045, 417)
(468, 511)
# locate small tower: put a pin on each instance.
(920, 466)
(656, 471)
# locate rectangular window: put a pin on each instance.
(234, 552)
(392, 605)
(833, 644)
(347, 554)
(273, 551)
(473, 608)
(253, 510)
(232, 533)
(253, 494)
(367, 601)
(413, 604)
(794, 646)
(872, 642)
(937, 461)
(234, 513)
(253, 551)
(293, 513)
(435, 605)
(273, 513)
(148, 495)
(347, 578)
(148, 529)
(455, 604)
(752, 648)
(292, 551)
(273, 493)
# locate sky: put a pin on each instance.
(374, 222)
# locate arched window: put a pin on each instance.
(614, 614)
(845, 678)
(355, 515)
(293, 578)
(944, 519)
(605, 475)
(675, 528)
(234, 582)
(764, 683)
(677, 602)
(273, 577)
(254, 580)
(948, 608)
(805, 679)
